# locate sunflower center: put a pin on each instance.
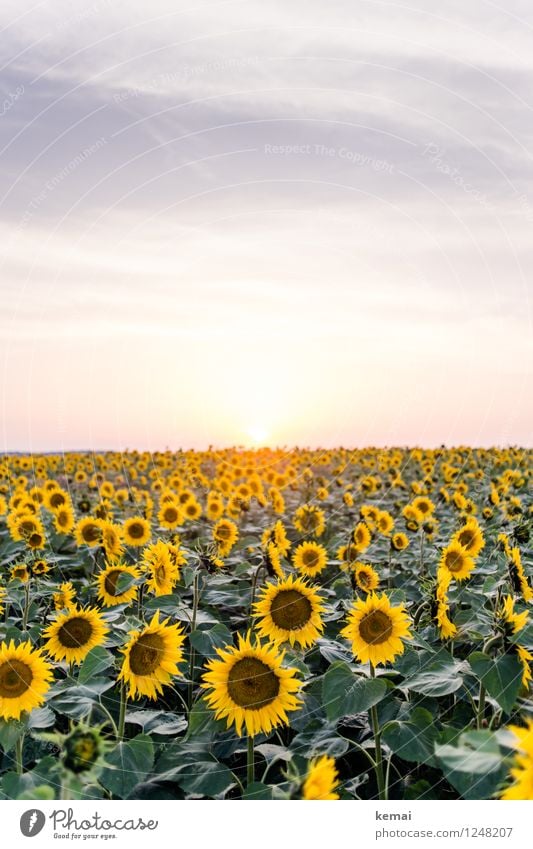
(223, 532)
(171, 514)
(252, 684)
(364, 578)
(136, 530)
(310, 558)
(466, 538)
(15, 679)
(111, 580)
(75, 632)
(91, 533)
(454, 561)
(375, 627)
(290, 610)
(146, 654)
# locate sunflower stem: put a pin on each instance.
(19, 754)
(422, 568)
(382, 793)
(122, 712)
(140, 598)
(26, 605)
(255, 578)
(250, 766)
(481, 706)
(195, 600)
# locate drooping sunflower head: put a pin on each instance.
(366, 578)
(322, 780)
(136, 531)
(273, 560)
(385, 523)
(309, 519)
(151, 658)
(512, 622)
(376, 629)
(522, 769)
(74, 633)
(290, 611)
(362, 536)
(225, 535)
(457, 561)
(249, 687)
(24, 679)
(310, 558)
(161, 568)
(116, 584)
(64, 520)
(65, 596)
(111, 539)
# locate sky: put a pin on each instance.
(235, 222)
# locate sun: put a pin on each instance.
(258, 434)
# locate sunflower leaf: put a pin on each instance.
(502, 677)
(344, 693)
(97, 661)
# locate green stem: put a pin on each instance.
(254, 587)
(422, 569)
(481, 706)
(140, 597)
(382, 794)
(26, 605)
(122, 713)
(250, 766)
(19, 754)
(195, 600)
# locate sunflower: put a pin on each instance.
(225, 535)
(248, 686)
(73, 634)
(522, 769)
(136, 531)
(309, 519)
(163, 572)
(399, 541)
(376, 629)
(362, 536)
(447, 629)
(290, 611)
(322, 780)
(64, 597)
(24, 679)
(470, 537)
(310, 558)
(20, 572)
(424, 505)
(519, 579)
(513, 622)
(2, 599)
(273, 561)
(192, 510)
(456, 560)
(88, 532)
(169, 516)
(116, 584)
(385, 523)
(40, 567)
(111, 539)
(366, 578)
(151, 658)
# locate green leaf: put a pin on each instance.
(128, 764)
(41, 718)
(320, 739)
(501, 676)
(344, 693)
(475, 767)
(10, 731)
(97, 661)
(203, 778)
(257, 790)
(207, 641)
(157, 721)
(438, 677)
(413, 740)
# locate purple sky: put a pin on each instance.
(294, 222)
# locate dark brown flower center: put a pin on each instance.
(91, 533)
(223, 532)
(454, 561)
(311, 558)
(375, 627)
(171, 514)
(75, 632)
(146, 654)
(466, 538)
(136, 530)
(290, 610)
(252, 684)
(111, 580)
(57, 499)
(15, 679)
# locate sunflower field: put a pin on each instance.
(237, 624)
